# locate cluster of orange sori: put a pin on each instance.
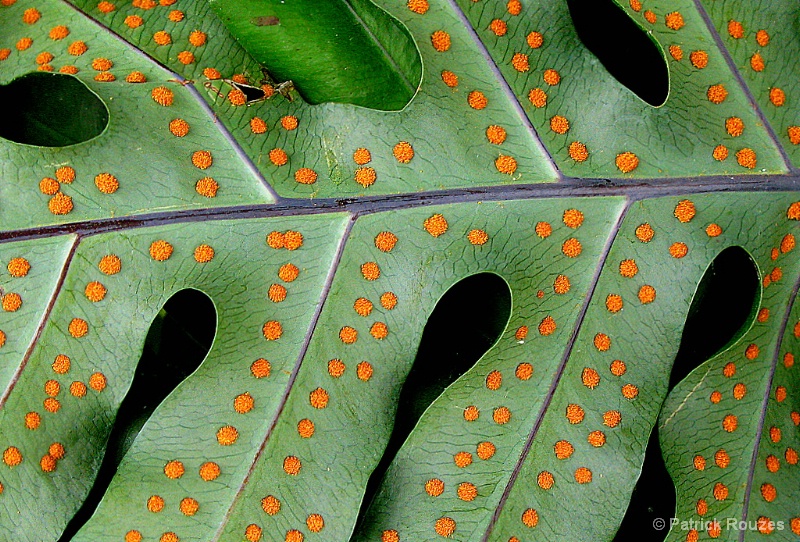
(18, 267)
(476, 99)
(61, 203)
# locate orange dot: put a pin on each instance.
(362, 306)
(735, 29)
(746, 158)
(752, 351)
(494, 380)
(49, 186)
(720, 491)
(496, 134)
(25, 43)
(236, 97)
(174, 469)
(315, 523)
(505, 164)
(260, 368)
(777, 97)
(545, 480)
(466, 491)
(289, 122)
(574, 414)
(189, 506)
(133, 21)
(176, 16)
(243, 403)
(449, 78)
(583, 475)
(197, 38)
(535, 40)
(647, 294)
(106, 7)
(305, 175)
(292, 465)
(715, 397)
(52, 388)
(272, 330)
(305, 428)
(716, 94)
(56, 450)
(734, 126)
(227, 435)
(434, 487)
(418, 6)
(163, 96)
(61, 364)
(563, 449)
(780, 394)
(379, 330)
(571, 248)
(498, 27)
(596, 438)
(462, 459)
(445, 527)
(614, 303)
(520, 62)
(547, 326)
(524, 371)
(59, 32)
(590, 378)
(618, 367)
(440, 40)
(209, 471)
(60, 204)
(699, 60)
(253, 533)
(179, 127)
(551, 77)
(12, 456)
(514, 7)
(364, 371)
(559, 124)
(720, 153)
(602, 342)
(794, 137)
(162, 37)
(612, 418)
(319, 398)
(676, 52)
(501, 415)
(485, 450)
(543, 229)
(578, 151)
(160, 250)
(791, 456)
(390, 536)
(288, 272)
(757, 62)
(477, 237)
(155, 503)
(106, 183)
(77, 389)
(257, 125)
(32, 420)
(202, 159)
(365, 176)
(477, 100)
(627, 162)
(276, 293)
(730, 423)
(95, 291)
(537, 97)
(18, 267)
(31, 15)
(471, 413)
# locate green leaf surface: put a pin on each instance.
(324, 282)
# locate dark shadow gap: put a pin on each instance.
(630, 55)
(466, 322)
(50, 110)
(177, 343)
(722, 310)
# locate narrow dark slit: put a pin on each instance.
(626, 51)
(723, 309)
(177, 342)
(466, 322)
(50, 110)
